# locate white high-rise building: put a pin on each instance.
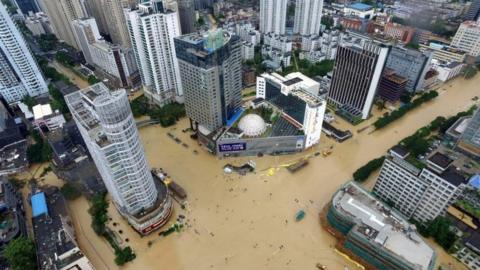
(106, 123)
(115, 62)
(308, 17)
(273, 16)
(61, 14)
(19, 73)
(467, 38)
(422, 194)
(152, 29)
(86, 33)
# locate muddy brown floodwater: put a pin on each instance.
(74, 78)
(248, 222)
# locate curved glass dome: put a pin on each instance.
(252, 125)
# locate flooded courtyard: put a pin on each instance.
(248, 222)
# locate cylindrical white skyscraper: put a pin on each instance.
(19, 73)
(108, 128)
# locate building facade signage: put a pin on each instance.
(232, 147)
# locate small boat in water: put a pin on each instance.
(300, 215)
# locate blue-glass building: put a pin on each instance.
(27, 6)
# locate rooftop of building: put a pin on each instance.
(441, 160)
(462, 216)
(39, 204)
(13, 157)
(94, 95)
(252, 125)
(41, 110)
(473, 240)
(442, 47)
(394, 77)
(471, 24)
(10, 218)
(382, 226)
(249, 127)
(64, 149)
(299, 85)
(210, 41)
(400, 151)
(404, 164)
(457, 129)
(277, 36)
(105, 45)
(453, 176)
(25, 110)
(453, 64)
(292, 81)
(149, 7)
(475, 181)
(360, 6)
(52, 238)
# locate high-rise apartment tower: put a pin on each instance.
(19, 73)
(61, 14)
(152, 28)
(273, 16)
(115, 20)
(108, 128)
(186, 11)
(308, 17)
(473, 12)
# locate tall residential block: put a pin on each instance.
(421, 194)
(115, 20)
(273, 16)
(95, 10)
(308, 17)
(473, 12)
(211, 74)
(61, 14)
(152, 29)
(356, 75)
(470, 140)
(112, 61)
(411, 64)
(186, 11)
(86, 33)
(19, 73)
(467, 38)
(108, 128)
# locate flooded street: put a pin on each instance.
(74, 78)
(248, 222)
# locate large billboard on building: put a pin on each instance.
(232, 147)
